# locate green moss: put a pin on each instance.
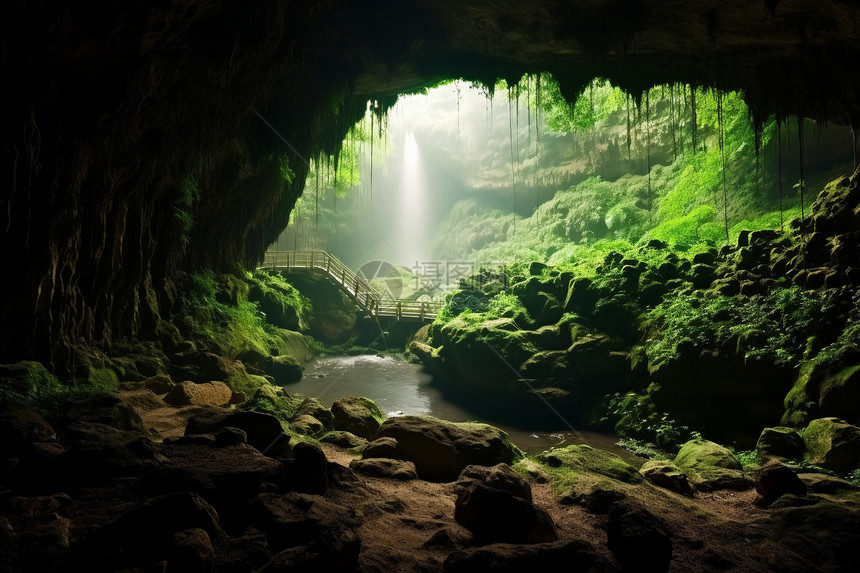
(703, 455)
(224, 322)
(775, 326)
(565, 467)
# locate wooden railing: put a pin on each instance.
(356, 287)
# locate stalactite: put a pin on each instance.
(672, 121)
(459, 152)
(722, 141)
(856, 143)
(511, 137)
(628, 126)
(800, 158)
(694, 119)
(779, 170)
(537, 143)
(648, 153)
(372, 135)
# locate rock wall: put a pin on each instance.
(133, 149)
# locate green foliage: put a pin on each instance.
(29, 386)
(592, 108)
(187, 195)
(633, 416)
(775, 326)
(749, 459)
(224, 325)
(287, 174)
(276, 288)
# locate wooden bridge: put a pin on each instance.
(357, 288)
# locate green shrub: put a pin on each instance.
(775, 326)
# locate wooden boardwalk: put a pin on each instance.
(358, 289)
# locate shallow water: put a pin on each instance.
(400, 388)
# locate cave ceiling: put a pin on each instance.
(134, 150)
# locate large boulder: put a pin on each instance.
(499, 476)
(586, 476)
(188, 393)
(284, 369)
(357, 415)
(223, 475)
(666, 475)
(307, 469)
(775, 480)
(638, 540)
(510, 558)
(441, 449)
(833, 444)
(385, 468)
(482, 356)
(264, 431)
(839, 394)
(22, 427)
(724, 396)
(98, 452)
(583, 458)
(298, 519)
(711, 467)
(146, 534)
(496, 516)
(780, 442)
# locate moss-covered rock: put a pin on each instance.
(307, 425)
(839, 394)
(781, 442)
(711, 467)
(23, 383)
(441, 449)
(482, 355)
(284, 369)
(667, 475)
(585, 459)
(591, 478)
(833, 444)
(343, 439)
(358, 415)
(721, 395)
(825, 389)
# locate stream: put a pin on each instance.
(400, 388)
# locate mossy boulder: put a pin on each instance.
(591, 478)
(585, 459)
(711, 467)
(293, 344)
(726, 396)
(833, 444)
(667, 475)
(781, 442)
(441, 449)
(357, 415)
(307, 425)
(482, 355)
(284, 369)
(825, 389)
(581, 296)
(839, 394)
(343, 439)
(24, 382)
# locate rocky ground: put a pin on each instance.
(131, 483)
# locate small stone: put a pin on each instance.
(385, 468)
(385, 447)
